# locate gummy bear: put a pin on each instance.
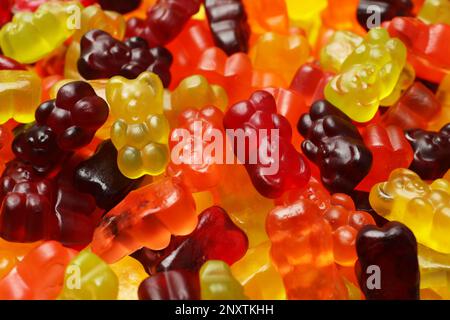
(26, 212)
(140, 132)
(216, 237)
(385, 143)
(427, 46)
(334, 144)
(257, 274)
(39, 276)
(368, 75)
(406, 198)
(278, 166)
(228, 23)
(302, 240)
(267, 15)
(74, 116)
(431, 152)
(164, 21)
(38, 146)
(218, 283)
(309, 82)
(170, 285)
(417, 107)
(100, 177)
(128, 59)
(32, 36)
(338, 48)
(20, 92)
(203, 173)
(194, 92)
(96, 280)
(130, 274)
(146, 217)
(435, 11)
(389, 254)
(282, 54)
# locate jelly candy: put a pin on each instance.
(228, 22)
(146, 217)
(260, 113)
(335, 145)
(217, 282)
(140, 134)
(392, 250)
(405, 197)
(74, 116)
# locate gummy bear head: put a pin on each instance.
(403, 185)
(135, 100)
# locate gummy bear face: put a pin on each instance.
(403, 185)
(134, 100)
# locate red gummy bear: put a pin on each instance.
(40, 275)
(390, 150)
(428, 49)
(215, 238)
(278, 166)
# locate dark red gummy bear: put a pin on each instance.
(164, 21)
(387, 266)
(170, 285)
(121, 6)
(334, 144)
(258, 117)
(74, 116)
(37, 145)
(431, 152)
(215, 238)
(387, 10)
(76, 210)
(102, 56)
(26, 211)
(100, 177)
(228, 23)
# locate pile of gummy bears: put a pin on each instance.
(96, 203)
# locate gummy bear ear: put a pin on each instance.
(153, 81)
(310, 150)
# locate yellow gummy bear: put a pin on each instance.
(218, 283)
(368, 75)
(435, 11)
(339, 47)
(92, 17)
(434, 271)
(423, 208)
(31, 36)
(280, 54)
(194, 92)
(20, 94)
(130, 273)
(89, 278)
(256, 273)
(140, 131)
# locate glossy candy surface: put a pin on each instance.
(224, 150)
